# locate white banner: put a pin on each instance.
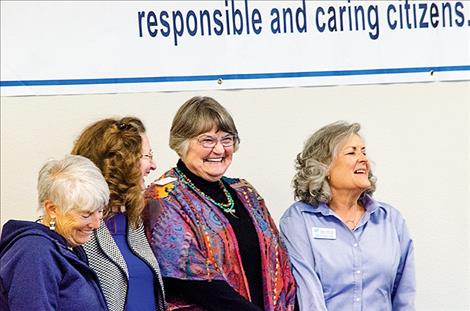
(77, 47)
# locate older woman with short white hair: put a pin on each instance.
(42, 264)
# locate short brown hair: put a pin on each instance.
(196, 116)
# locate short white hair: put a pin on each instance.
(72, 183)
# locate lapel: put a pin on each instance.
(110, 248)
(140, 246)
(252, 202)
(138, 243)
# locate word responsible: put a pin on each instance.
(237, 18)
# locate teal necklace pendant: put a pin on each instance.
(227, 208)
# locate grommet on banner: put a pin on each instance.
(220, 81)
(431, 72)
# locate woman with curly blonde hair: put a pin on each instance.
(118, 250)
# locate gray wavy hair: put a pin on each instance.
(198, 115)
(312, 164)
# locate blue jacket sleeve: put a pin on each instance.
(309, 288)
(30, 276)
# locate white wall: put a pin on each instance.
(417, 135)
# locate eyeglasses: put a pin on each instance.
(148, 156)
(211, 142)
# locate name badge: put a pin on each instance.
(324, 233)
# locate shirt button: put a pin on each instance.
(358, 271)
(355, 244)
(357, 299)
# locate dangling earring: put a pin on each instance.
(52, 224)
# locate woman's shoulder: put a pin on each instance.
(242, 186)
(31, 246)
(29, 243)
(161, 187)
(296, 209)
(26, 232)
(238, 183)
(232, 180)
(163, 198)
(385, 210)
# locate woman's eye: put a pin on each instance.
(87, 215)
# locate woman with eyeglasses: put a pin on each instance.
(118, 251)
(216, 243)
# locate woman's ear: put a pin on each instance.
(50, 208)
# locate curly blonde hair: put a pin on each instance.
(310, 181)
(115, 146)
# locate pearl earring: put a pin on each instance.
(52, 224)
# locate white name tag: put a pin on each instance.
(324, 233)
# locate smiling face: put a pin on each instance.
(349, 169)
(79, 226)
(209, 163)
(147, 163)
(75, 226)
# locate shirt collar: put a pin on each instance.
(368, 202)
(321, 208)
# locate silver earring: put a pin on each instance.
(52, 224)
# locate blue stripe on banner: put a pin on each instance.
(242, 76)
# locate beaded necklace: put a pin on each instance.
(226, 207)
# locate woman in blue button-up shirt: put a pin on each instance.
(348, 251)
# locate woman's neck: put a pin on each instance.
(213, 189)
(348, 207)
(344, 200)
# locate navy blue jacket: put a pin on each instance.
(38, 271)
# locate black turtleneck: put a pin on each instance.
(219, 295)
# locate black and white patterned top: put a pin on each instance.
(106, 260)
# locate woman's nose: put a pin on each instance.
(96, 220)
(218, 148)
(153, 165)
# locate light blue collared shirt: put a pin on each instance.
(337, 269)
